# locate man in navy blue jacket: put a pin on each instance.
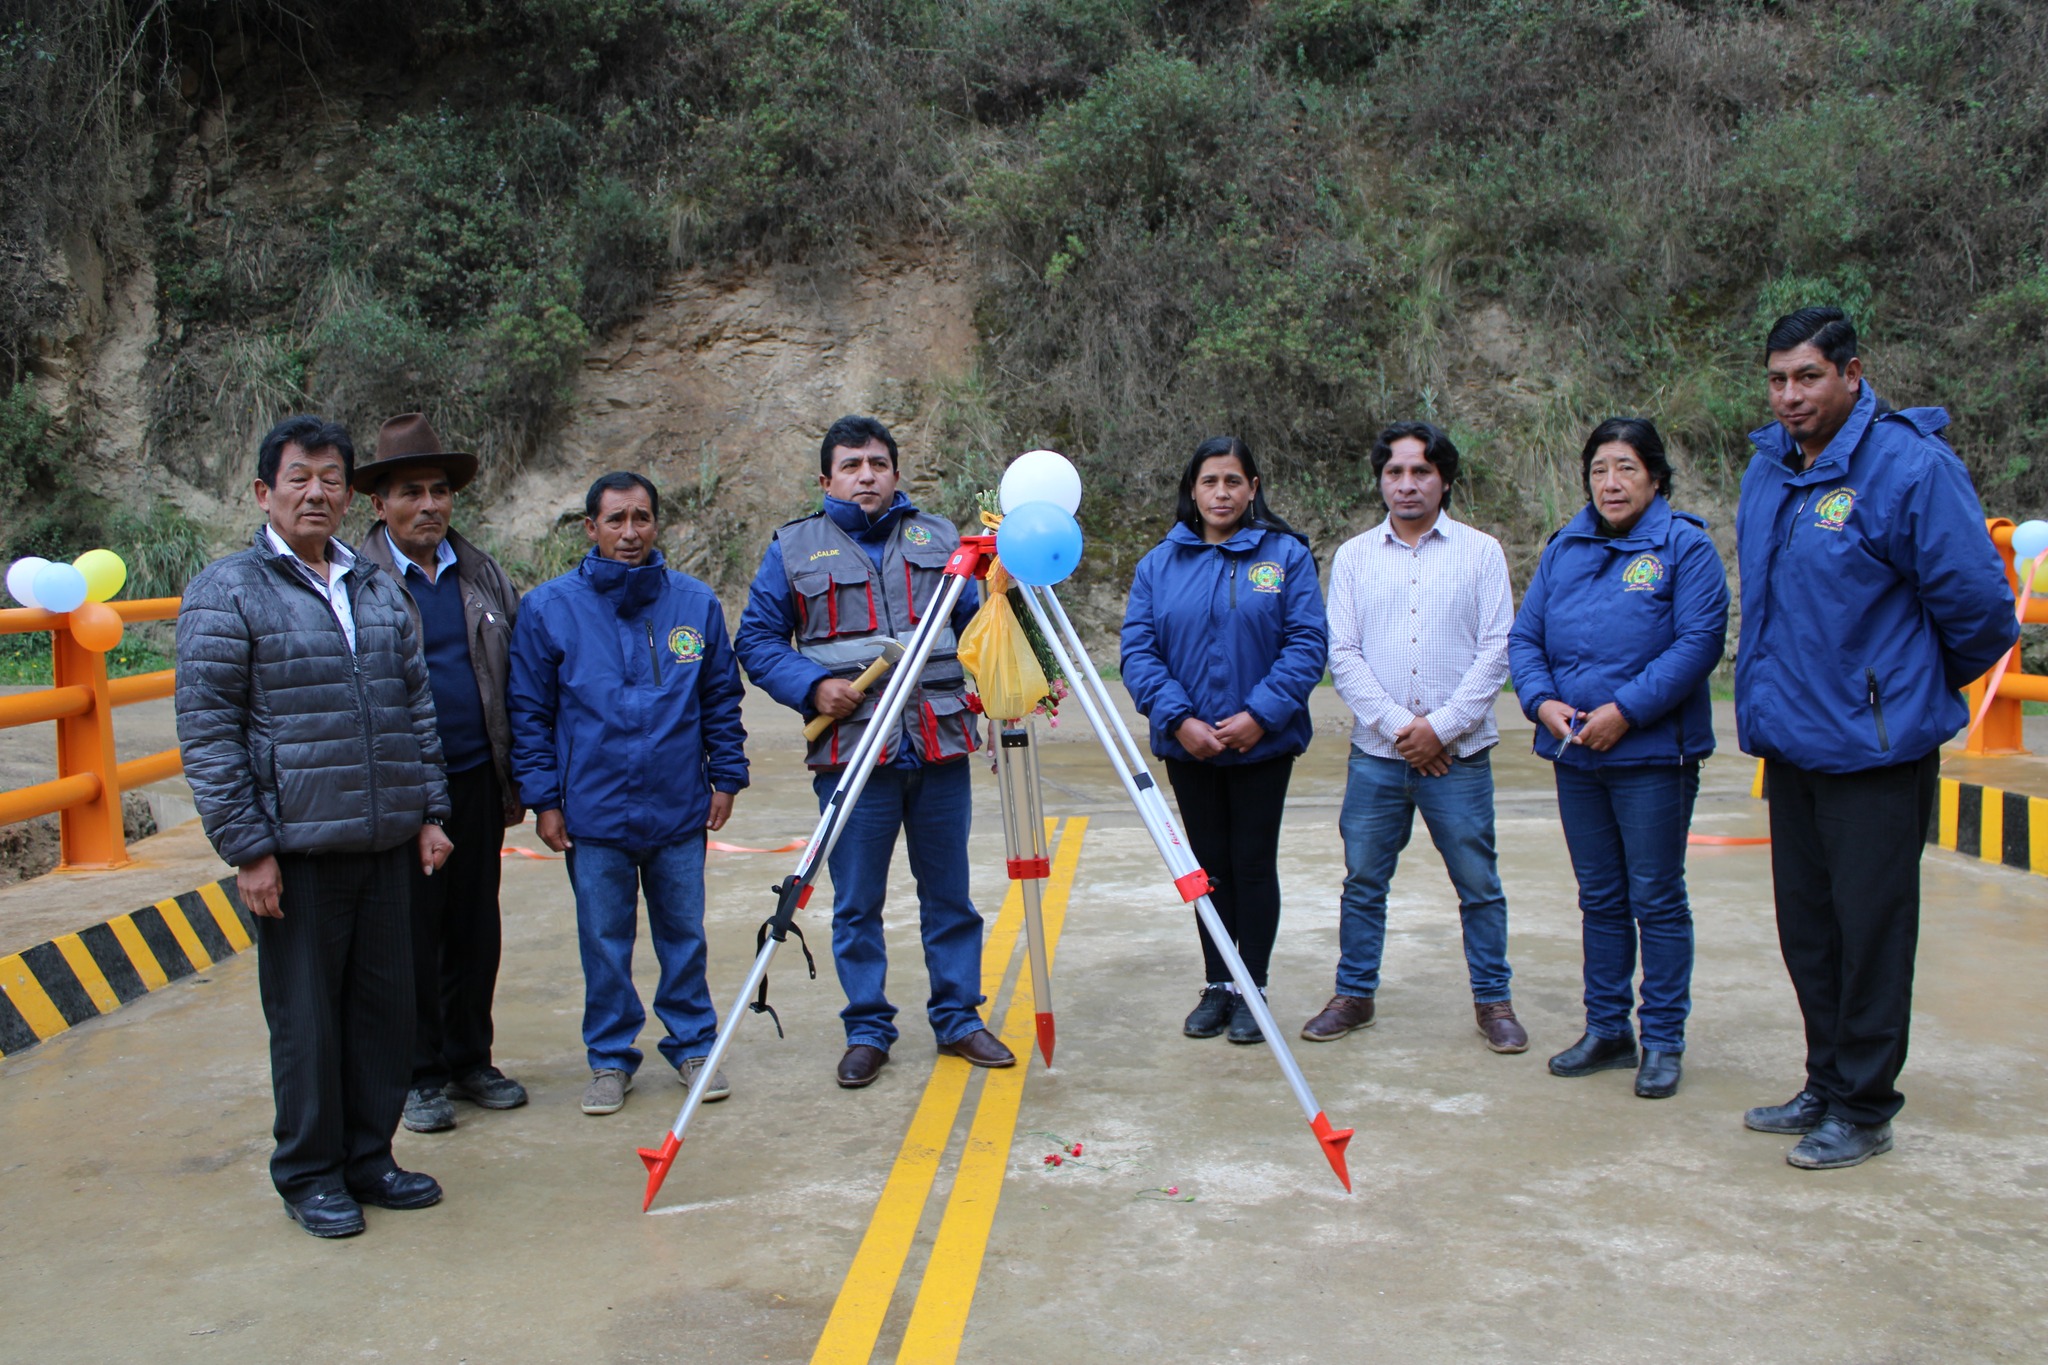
(627, 742)
(1871, 594)
(830, 587)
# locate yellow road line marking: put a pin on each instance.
(939, 1318)
(181, 930)
(224, 915)
(132, 942)
(856, 1322)
(31, 1001)
(88, 972)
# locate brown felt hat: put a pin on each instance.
(407, 441)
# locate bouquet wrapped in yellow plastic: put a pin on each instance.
(998, 650)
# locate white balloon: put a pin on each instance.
(1041, 476)
(21, 577)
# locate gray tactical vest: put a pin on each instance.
(844, 605)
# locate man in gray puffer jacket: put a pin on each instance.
(307, 727)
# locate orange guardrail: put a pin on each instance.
(2002, 730)
(86, 794)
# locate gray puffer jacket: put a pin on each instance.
(292, 744)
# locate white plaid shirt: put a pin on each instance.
(1421, 632)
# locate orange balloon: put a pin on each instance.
(97, 626)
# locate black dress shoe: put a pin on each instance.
(979, 1048)
(1244, 1026)
(1657, 1077)
(1591, 1054)
(1838, 1142)
(861, 1064)
(327, 1215)
(1800, 1114)
(397, 1189)
(1212, 1015)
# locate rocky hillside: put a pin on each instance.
(682, 235)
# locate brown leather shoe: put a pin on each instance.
(861, 1064)
(1343, 1014)
(979, 1048)
(1502, 1030)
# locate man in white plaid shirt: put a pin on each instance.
(1419, 611)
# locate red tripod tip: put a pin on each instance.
(1046, 1035)
(657, 1164)
(1334, 1141)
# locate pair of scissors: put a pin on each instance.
(1572, 731)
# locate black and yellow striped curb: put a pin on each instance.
(71, 978)
(2006, 828)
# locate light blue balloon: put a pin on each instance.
(60, 588)
(2029, 539)
(1039, 543)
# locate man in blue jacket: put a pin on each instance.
(1871, 594)
(627, 742)
(830, 587)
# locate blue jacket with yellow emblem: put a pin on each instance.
(1212, 630)
(625, 703)
(1871, 593)
(1639, 620)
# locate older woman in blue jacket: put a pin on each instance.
(1624, 620)
(1223, 640)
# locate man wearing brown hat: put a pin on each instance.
(462, 605)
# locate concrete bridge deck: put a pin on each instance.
(1501, 1214)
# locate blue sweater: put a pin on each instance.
(1212, 630)
(1639, 620)
(625, 702)
(1871, 593)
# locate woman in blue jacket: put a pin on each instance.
(1624, 620)
(1223, 639)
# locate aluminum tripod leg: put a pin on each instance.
(1188, 878)
(1024, 840)
(795, 890)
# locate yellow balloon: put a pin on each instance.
(104, 574)
(2040, 567)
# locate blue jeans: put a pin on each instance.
(1381, 796)
(932, 805)
(608, 880)
(1626, 831)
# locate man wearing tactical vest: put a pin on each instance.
(831, 587)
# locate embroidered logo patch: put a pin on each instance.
(1643, 574)
(917, 535)
(1834, 509)
(1267, 577)
(686, 644)
(821, 554)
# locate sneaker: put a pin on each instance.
(489, 1088)
(1244, 1025)
(606, 1093)
(1212, 1014)
(427, 1110)
(686, 1072)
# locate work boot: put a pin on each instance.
(1800, 1114)
(687, 1070)
(861, 1064)
(1210, 1016)
(1343, 1014)
(606, 1093)
(979, 1048)
(1244, 1025)
(1657, 1077)
(1837, 1143)
(427, 1110)
(488, 1088)
(1593, 1053)
(1497, 1023)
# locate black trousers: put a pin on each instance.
(1845, 867)
(335, 974)
(457, 935)
(1232, 816)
